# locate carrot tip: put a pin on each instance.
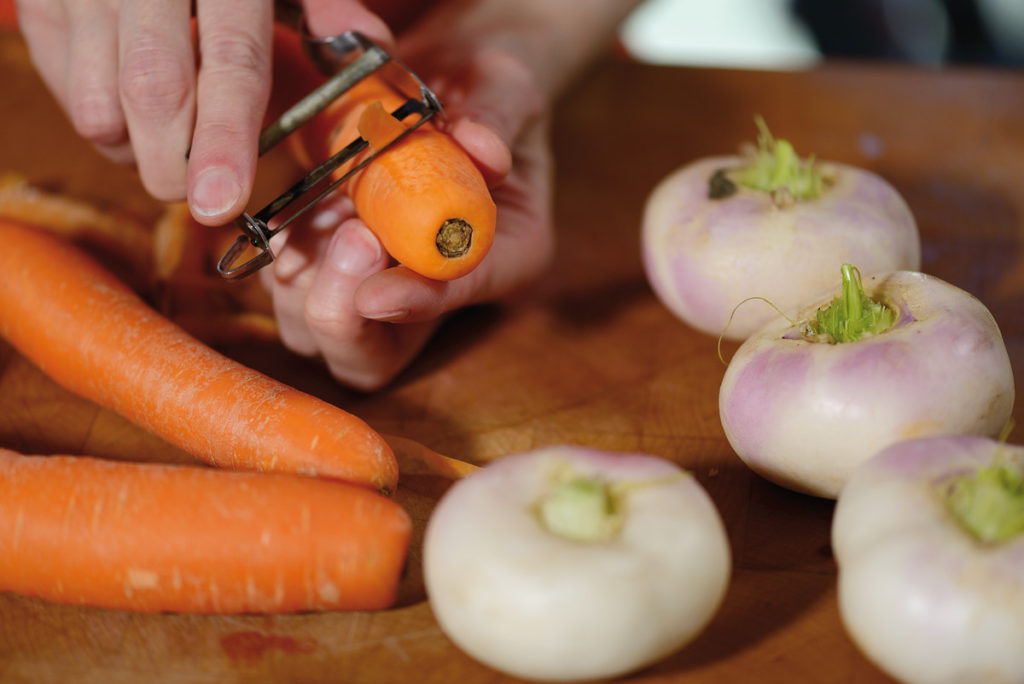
(454, 238)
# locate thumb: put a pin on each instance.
(326, 18)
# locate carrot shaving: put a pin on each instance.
(379, 128)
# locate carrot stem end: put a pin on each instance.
(454, 238)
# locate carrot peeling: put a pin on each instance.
(155, 537)
(94, 336)
(378, 128)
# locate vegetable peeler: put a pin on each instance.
(350, 57)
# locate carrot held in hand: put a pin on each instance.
(90, 333)
(156, 537)
(423, 197)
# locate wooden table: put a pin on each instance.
(591, 357)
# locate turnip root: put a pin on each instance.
(570, 563)
(721, 230)
(929, 540)
(804, 410)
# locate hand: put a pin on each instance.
(137, 85)
(337, 295)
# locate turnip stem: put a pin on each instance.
(853, 314)
(582, 509)
(585, 508)
(852, 291)
(989, 503)
(777, 169)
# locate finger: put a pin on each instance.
(46, 30)
(44, 27)
(330, 17)
(157, 89)
(231, 99)
(486, 146)
(299, 250)
(288, 279)
(497, 100)
(358, 352)
(94, 103)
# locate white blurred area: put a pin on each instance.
(767, 34)
(727, 33)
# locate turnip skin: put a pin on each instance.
(805, 414)
(702, 256)
(535, 605)
(918, 594)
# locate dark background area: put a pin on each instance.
(921, 31)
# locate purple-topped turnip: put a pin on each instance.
(901, 355)
(768, 224)
(929, 541)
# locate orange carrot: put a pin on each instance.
(158, 537)
(90, 333)
(424, 198)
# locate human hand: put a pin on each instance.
(138, 82)
(336, 292)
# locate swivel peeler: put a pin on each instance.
(349, 57)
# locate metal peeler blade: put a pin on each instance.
(351, 57)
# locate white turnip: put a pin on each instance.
(803, 409)
(929, 540)
(570, 563)
(724, 229)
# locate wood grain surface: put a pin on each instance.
(589, 357)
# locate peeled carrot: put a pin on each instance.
(157, 537)
(93, 335)
(424, 198)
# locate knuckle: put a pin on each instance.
(322, 318)
(164, 181)
(155, 81)
(97, 118)
(212, 137)
(503, 67)
(238, 53)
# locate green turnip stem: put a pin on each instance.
(777, 169)
(585, 508)
(582, 509)
(853, 314)
(990, 502)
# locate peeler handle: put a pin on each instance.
(369, 59)
(355, 58)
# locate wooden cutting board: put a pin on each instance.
(590, 357)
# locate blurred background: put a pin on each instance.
(793, 34)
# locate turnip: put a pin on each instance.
(901, 355)
(723, 229)
(929, 540)
(569, 563)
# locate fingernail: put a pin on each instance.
(355, 250)
(388, 316)
(215, 191)
(328, 218)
